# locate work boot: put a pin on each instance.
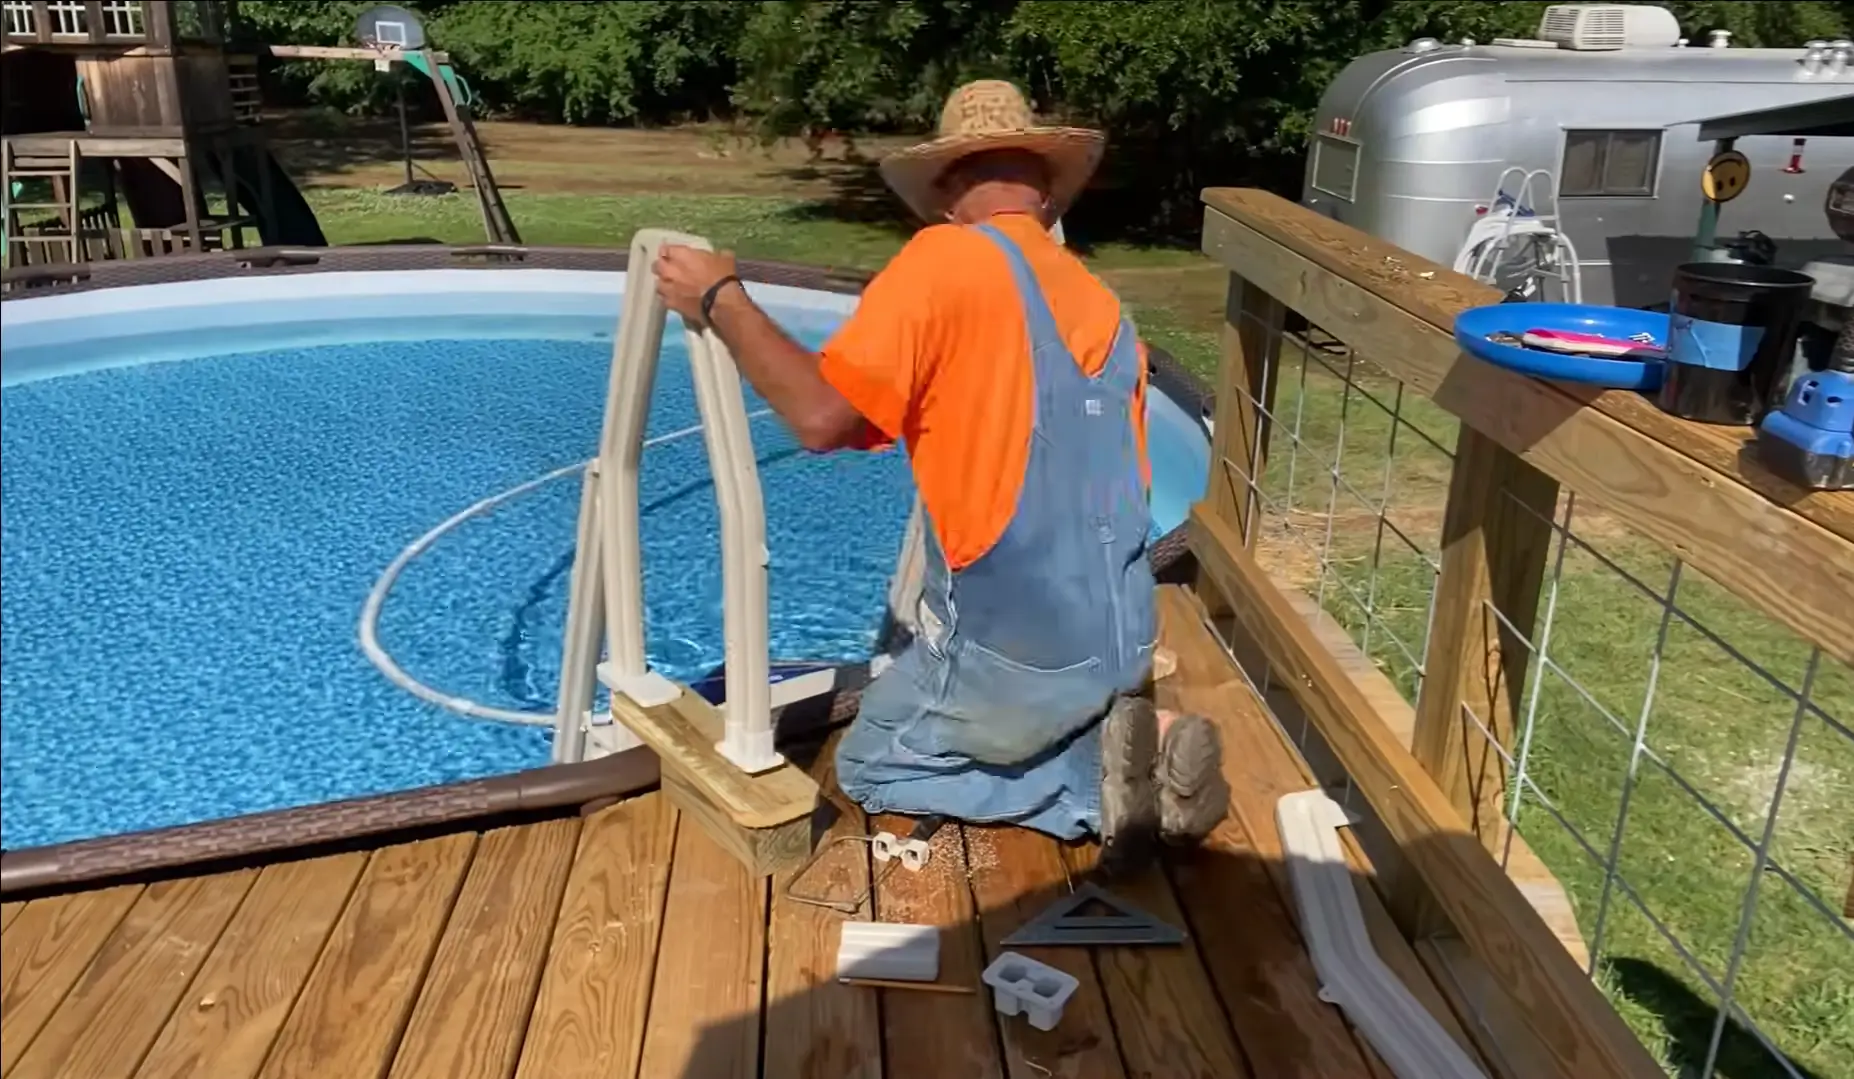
(1129, 803)
(1193, 796)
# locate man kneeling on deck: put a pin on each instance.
(1017, 385)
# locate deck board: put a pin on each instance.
(1015, 874)
(1171, 1022)
(9, 911)
(472, 1013)
(817, 1028)
(114, 1013)
(46, 948)
(705, 1009)
(1256, 958)
(588, 1021)
(937, 1035)
(248, 984)
(1261, 767)
(629, 945)
(353, 1007)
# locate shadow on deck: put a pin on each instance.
(626, 943)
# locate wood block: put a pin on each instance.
(763, 851)
(764, 820)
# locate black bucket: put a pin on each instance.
(1729, 344)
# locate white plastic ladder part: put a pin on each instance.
(604, 737)
(585, 625)
(803, 687)
(904, 588)
(1038, 991)
(914, 853)
(1352, 976)
(1492, 236)
(888, 951)
(607, 598)
(647, 690)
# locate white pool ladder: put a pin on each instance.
(1515, 219)
(605, 608)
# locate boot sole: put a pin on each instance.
(1193, 796)
(1129, 800)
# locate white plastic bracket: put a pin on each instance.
(803, 687)
(889, 951)
(604, 737)
(1038, 991)
(912, 852)
(1352, 975)
(646, 690)
(750, 749)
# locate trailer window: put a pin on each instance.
(1335, 166)
(1610, 164)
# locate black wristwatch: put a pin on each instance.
(714, 293)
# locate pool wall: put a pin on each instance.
(67, 320)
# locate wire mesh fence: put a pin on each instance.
(1682, 764)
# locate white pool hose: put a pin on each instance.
(376, 599)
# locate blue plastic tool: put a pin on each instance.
(1473, 326)
(1810, 440)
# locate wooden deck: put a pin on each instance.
(628, 944)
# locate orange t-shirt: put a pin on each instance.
(937, 355)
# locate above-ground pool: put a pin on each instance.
(201, 481)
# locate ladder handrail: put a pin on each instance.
(608, 571)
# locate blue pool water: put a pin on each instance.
(187, 545)
(185, 548)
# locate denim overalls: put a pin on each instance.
(991, 713)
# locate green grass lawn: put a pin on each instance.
(1722, 728)
(1716, 724)
(752, 226)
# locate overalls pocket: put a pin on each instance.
(998, 711)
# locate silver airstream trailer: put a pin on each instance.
(1603, 111)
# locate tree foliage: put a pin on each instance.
(1191, 91)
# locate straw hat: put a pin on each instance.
(992, 115)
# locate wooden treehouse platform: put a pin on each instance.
(627, 943)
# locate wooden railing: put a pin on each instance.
(102, 236)
(1572, 653)
(246, 92)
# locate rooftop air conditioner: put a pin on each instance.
(1602, 27)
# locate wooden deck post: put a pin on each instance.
(191, 195)
(1496, 535)
(1252, 327)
